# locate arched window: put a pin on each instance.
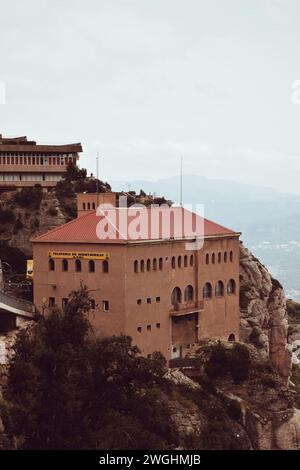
(176, 296)
(207, 258)
(105, 266)
(173, 262)
(213, 258)
(225, 256)
(148, 264)
(231, 286)
(64, 265)
(78, 266)
(207, 291)
(231, 337)
(91, 266)
(185, 261)
(189, 293)
(136, 266)
(142, 266)
(154, 264)
(219, 289)
(89, 206)
(219, 257)
(94, 206)
(231, 256)
(160, 264)
(192, 260)
(179, 261)
(51, 264)
(83, 206)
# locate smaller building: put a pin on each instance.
(25, 163)
(88, 202)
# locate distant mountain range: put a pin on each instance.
(268, 219)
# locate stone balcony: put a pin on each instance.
(188, 308)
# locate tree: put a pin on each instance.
(70, 390)
(74, 173)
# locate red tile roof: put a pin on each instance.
(89, 228)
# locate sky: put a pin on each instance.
(144, 82)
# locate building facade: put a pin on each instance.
(163, 292)
(25, 163)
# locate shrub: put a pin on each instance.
(52, 211)
(7, 216)
(29, 197)
(222, 362)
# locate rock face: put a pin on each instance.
(263, 313)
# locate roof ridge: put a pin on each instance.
(60, 227)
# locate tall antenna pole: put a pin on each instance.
(181, 181)
(97, 176)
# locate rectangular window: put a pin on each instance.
(139, 301)
(149, 300)
(92, 304)
(158, 325)
(139, 329)
(64, 302)
(149, 327)
(157, 299)
(51, 302)
(105, 305)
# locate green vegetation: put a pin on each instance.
(293, 309)
(14, 257)
(68, 390)
(52, 211)
(29, 197)
(223, 362)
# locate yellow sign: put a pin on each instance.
(77, 254)
(29, 269)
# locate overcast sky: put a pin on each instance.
(146, 81)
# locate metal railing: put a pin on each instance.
(14, 302)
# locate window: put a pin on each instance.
(185, 261)
(142, 266)
(158, 326)
(219, 289)
(157, 299)
(188, 293)
(207, 258)
(91, 266)
(219, 257)
(231, 256)
(148, 264)
(213, 258)
(176, 296)
(64, 302)
(231, 337)
(173, 262)
(65, 265)
(92, 304)
(105, 305)
(139, 301)
(136, 266)
(179, 261)
(154, 264)
(192, 260)
(51, 264)
(105, 266)
(51, 302)
(139, 329)
(78, 265)
(225, 256)
(83, 206)
(149, 300)
(94, 206)
(207, 291)
(231, 286)
(160, 264)
(89, 206)
(149, 327)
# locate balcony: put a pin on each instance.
(188, 308)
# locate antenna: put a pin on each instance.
(97, 176)
(181, 181)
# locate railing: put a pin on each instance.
(185, 309)
(20, 304)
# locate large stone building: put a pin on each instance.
(161, 289)
(25, 163)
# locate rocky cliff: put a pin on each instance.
(264, 319)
